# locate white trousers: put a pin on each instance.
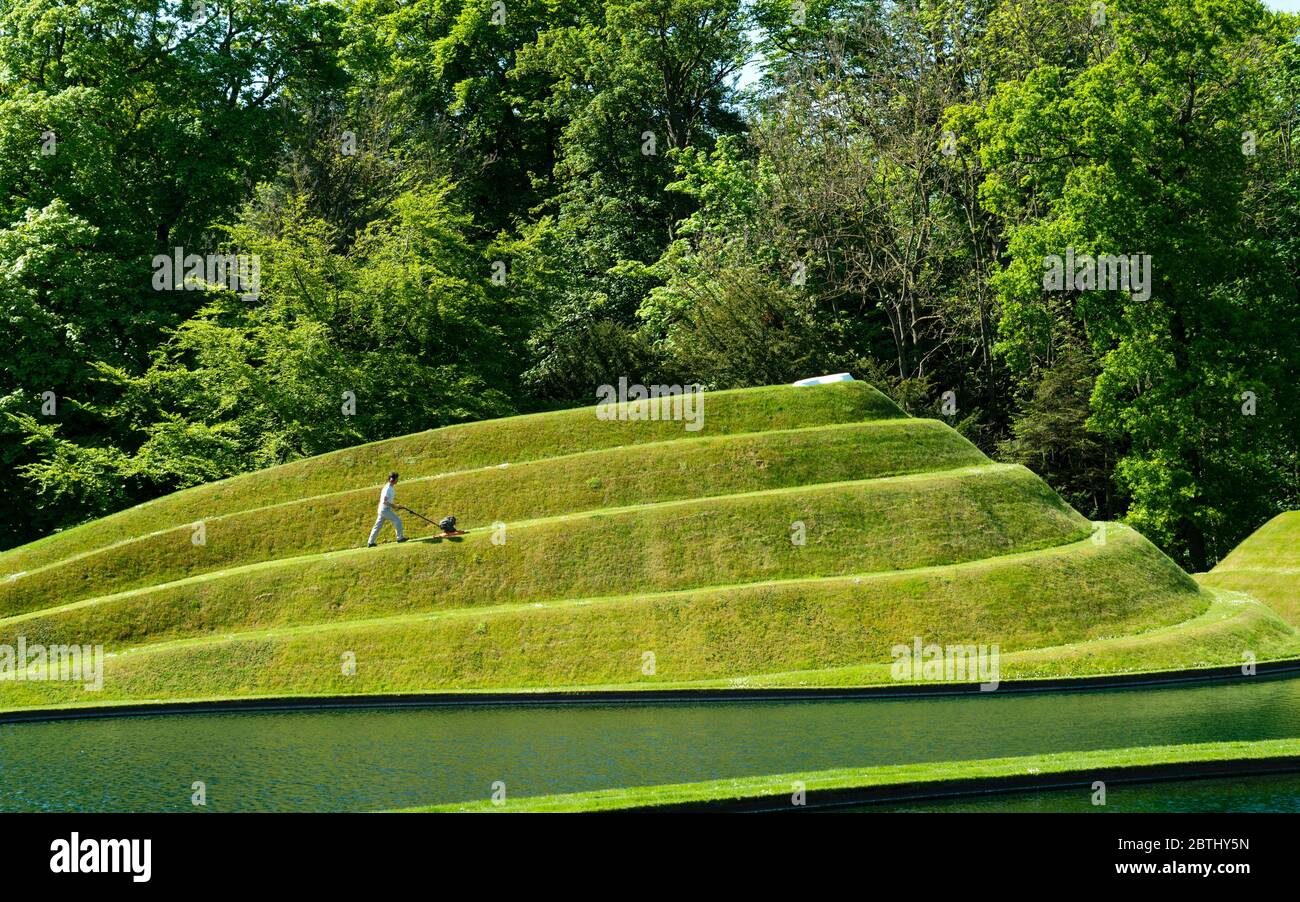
(386, 513)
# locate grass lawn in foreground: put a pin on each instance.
(780, 788)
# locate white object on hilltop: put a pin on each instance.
(824, 380)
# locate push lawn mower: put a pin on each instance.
(446, 524)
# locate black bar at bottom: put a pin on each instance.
(659, 856)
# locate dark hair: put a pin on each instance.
(392, 475)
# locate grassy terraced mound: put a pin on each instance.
(799, 632)
(1266, 566)
(794, 540)
(455, 448)
(914, 521)
(663, 471)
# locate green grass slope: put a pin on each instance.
(884, 524)
(795, 540)
(1266, 566)
(794, 632)
(454, 448)
(1114, 765)
(642, 474)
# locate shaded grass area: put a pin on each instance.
(582, 482)
(877, 525)
(733, 636)
(780, 788)
(466, 446)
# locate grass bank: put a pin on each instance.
(877, 525)
(819, 632)
(777, 791)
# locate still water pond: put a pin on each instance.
(367, 759)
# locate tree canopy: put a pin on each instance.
(461, 209)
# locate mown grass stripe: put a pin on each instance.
(488, 611)
(407, 484)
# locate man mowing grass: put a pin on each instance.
(387, 494)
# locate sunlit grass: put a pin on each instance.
(794, 543)
(467, 446)
(588, 481)
(779, 789)
(888, 524)
(1266, 566)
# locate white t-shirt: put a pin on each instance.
(386, 496)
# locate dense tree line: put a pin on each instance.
(465, 208)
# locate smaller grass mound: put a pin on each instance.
(1266, 565)
(1274, 546)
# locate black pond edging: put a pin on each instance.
(983, 786)
(1228, 673)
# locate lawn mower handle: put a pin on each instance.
(409, 511)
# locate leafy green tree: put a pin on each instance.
(398, 335)
(447, 77)
(1142, 153)
(628, 94)
(464, 208)
(126, 129)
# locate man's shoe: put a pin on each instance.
(402, 539)
(370, 544)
